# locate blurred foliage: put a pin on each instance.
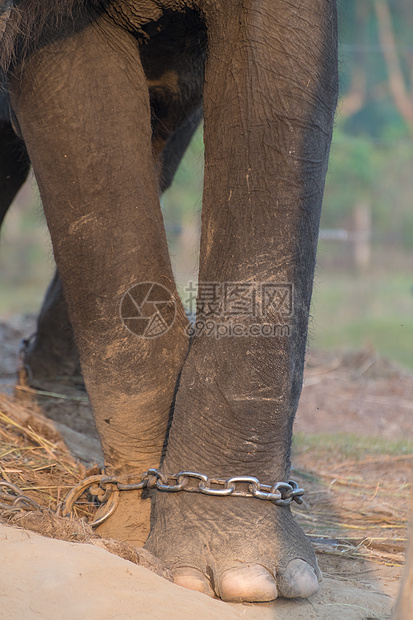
(371, 172)
(185, 195)
(371, 158)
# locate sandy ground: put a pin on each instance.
(42, 578)
(346, 506)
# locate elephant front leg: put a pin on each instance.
(271, 82)
(82, 104)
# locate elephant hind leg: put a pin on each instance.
(50, 355)
(14, 166)
(175, 148)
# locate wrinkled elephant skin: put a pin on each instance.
(105, 98)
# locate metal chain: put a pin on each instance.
(13, 499)
(108, 488)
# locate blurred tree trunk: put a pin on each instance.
(397, 83)
(362, 237)
(355, 97)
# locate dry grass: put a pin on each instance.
(358, 510)
(34, 457)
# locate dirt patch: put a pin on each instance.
(351, 453)
(358, 394)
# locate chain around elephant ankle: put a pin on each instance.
(107, 488)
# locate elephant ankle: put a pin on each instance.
(130, 521)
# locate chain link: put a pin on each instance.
(108, 487)
(12, 499)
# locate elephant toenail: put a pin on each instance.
(248, 583)
(299, 580)
(193, 579)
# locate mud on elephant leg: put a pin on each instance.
(99, 190)
(273, 70)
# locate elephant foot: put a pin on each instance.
(53, 385)
(50, 355)
(131, 520)
(44, 364)
(239, 549)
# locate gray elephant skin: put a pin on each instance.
(102, 97)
